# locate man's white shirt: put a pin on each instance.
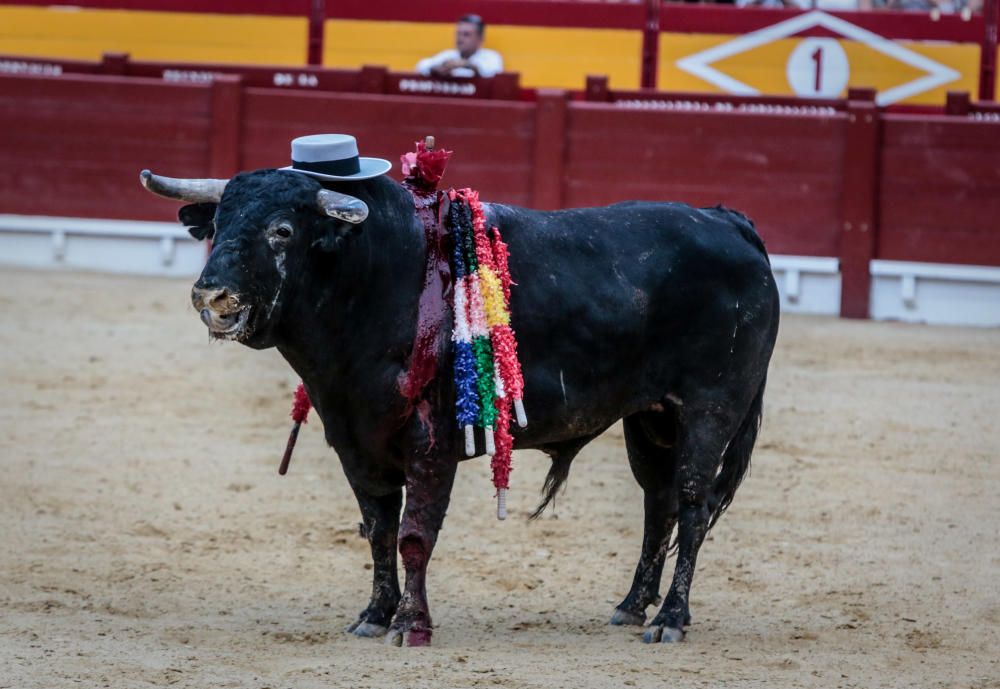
(488, 62)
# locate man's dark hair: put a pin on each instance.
(475, 20)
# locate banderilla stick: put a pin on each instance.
(287, 458)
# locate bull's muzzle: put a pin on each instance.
(220, 310)
(220, 300)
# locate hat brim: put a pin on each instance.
(370, 167)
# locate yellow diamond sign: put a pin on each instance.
(774, 60)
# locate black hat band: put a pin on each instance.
(337, 168)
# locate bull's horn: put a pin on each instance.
(191, 190)
(342, 206)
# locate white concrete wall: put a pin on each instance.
(807, 284)
(914, 292)
(115, 246)
(936, 293)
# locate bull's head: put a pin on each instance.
(264, 226)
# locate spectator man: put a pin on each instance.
(468, 58)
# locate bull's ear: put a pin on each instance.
(198, 217)
(333, 235)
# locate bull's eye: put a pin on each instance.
(278, 235)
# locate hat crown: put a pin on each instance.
(324, 147)
(333, 157)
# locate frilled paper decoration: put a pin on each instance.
(424, 168)
(488, 378)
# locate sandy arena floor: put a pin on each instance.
(146, 539)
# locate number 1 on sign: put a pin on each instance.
(818, 68)
(817, 57)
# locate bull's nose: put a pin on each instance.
(203, 298)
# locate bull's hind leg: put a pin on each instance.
(702, 439)
(651, 456)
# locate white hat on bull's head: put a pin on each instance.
(333, 157)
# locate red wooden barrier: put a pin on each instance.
(940, 189)
(370, 79)
(783, 170)
(988, 58)
(225, 146)
(859, 194)
(74, 146)
(843, 179)
(597, 89)
(550, 151)
(493, 140)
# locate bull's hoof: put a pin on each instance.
(410, 637)
(626, 617)
(366, 629)
(663, 634)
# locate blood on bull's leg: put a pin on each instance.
(429, 481)
(381, 525)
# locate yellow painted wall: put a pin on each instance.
(170, 36)
(544, 56)
(763, 67)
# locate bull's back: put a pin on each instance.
(626, 264)
(610, 302)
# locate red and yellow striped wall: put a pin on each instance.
(551, 44)
(545, 56)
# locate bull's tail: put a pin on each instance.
(558, 473)
(736, 459)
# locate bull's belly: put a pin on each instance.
(568, 402)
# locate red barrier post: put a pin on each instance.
(114, 64)
(506, 86)
(226, 129)
(317, 17)
(650, 45)
(373, 79)
(988, 52)
(597, 90)
(957, 103)
(859, 201)
(550, 149)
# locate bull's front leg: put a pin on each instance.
(428, 489)
(381, 523)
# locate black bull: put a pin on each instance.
(659, 314)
